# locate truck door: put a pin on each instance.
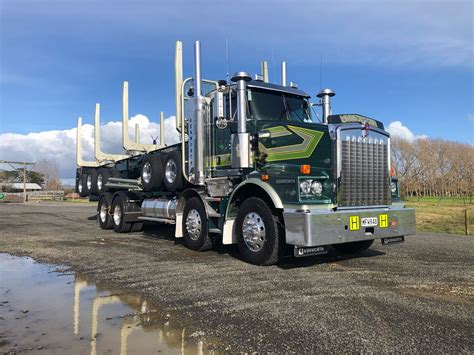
(221, 131)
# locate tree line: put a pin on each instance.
(433, 167)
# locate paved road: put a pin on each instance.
(417, 296)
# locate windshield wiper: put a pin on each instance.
(287, 109)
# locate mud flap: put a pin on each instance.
(393, 240)
(309, 251)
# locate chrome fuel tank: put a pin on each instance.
(159, 208)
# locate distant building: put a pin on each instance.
(18, 187)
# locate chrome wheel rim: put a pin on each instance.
(193, 224)
(117, 215)
(79, 187)
(170, 170)
(253, 231)
(146, 173)
(103, 212)
(99, 182)
(89, 182)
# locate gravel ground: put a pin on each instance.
(412, 297)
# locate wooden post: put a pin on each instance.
(466, 221)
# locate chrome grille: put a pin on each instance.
(364, 178)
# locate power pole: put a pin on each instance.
(24, 163)
(24, 182)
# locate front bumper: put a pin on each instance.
(317, 228)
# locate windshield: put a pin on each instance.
(278, 106)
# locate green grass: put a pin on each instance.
(442, 214)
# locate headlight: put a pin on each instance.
(393, 187)
(305, 187)
(316, 188)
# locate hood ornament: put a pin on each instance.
(365, 130)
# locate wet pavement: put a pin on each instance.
(417, 296)
(49, 309)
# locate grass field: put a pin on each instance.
(442, 214)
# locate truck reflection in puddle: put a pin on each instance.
(143, 324)
(102, 320)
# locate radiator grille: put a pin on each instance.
(364, 175)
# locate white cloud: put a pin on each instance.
(398, 130)
(60, 145)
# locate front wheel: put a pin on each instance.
(353, 247)
(260, 235)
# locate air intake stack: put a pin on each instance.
(241, 139)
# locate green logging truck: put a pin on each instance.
(254, 168)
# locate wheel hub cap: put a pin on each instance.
(170, 170)
(103, 213)
(89, 182)
(99, 182)
(193, 224)
(117, 215)
(79, 187)
(146, 174)
(253, 230)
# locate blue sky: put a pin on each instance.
(405, 60)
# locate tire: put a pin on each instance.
(152, 172)
(353, 247)
(172, 171)
(263, 242)
(103, 176)
(137, 227)
(93, 182)
(103, 211)
(118, 214)
(195, 230)
(81, 186)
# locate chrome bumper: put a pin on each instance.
(310, 228)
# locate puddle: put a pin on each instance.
(47, 309)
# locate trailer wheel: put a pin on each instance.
(152, 172)
(260, 235)
(118, 215)
(353, 247)
(81, 186)
(103, 211)
(103, 176)
(195, 231)
(92, 182)
(173, 177)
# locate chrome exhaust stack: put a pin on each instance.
(325, 101)
(241, 140)
(196, 126)
(283, 73)
(264, 67)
